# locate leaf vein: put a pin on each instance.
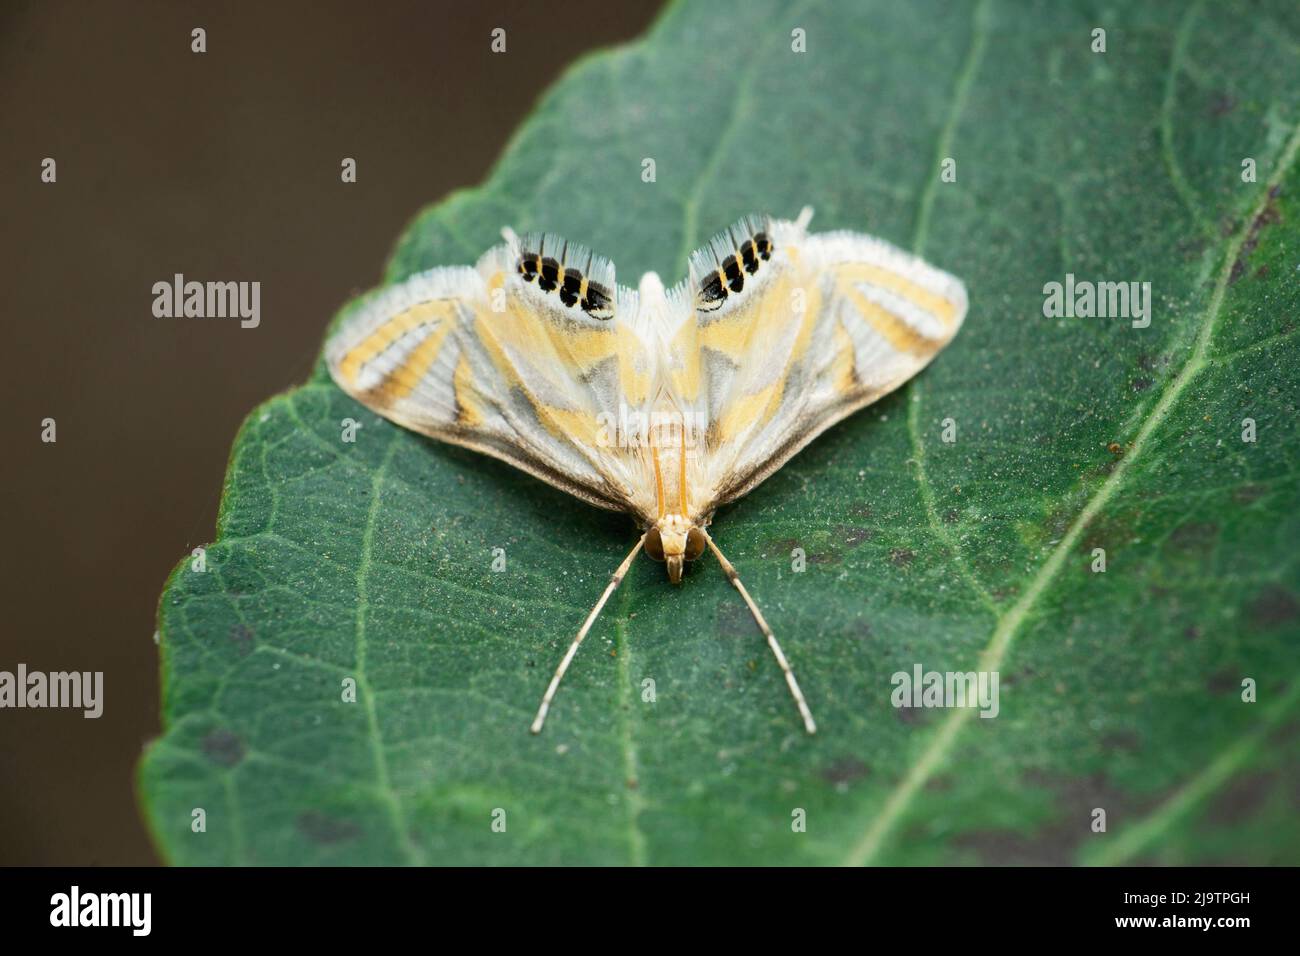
(391, 799)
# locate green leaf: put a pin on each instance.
(1120, 690)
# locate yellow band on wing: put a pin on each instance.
(932, 302)
(890, 327)
(388, 333)
(469, 411)
(402, 380)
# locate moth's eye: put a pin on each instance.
(654, 545)
(694, 544)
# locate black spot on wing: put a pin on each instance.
(735, 278)
(728, 259)
(712, 292)
(529, 266)
(597, 302)
(586, 283)
(571, 288)
(550, 275)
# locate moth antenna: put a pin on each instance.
(573, 648)
(805, 217)
(734, 577)
(510, 236)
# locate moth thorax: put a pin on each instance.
(674, 539)
(651, 296)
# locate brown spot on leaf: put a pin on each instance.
(1222, 682)
(1115, 448)
(1241, 798)
(779, 546)
(1196, 536)
(1269, 215)
(852, 535)
(901, 557)
(1121, 740)
(844, 771)
(325, 830)
(1273, 606)
(1191, 248)
(1108, 530)
(1056, 843)
(242, 637)
(911, 715)
(1222, 103)
(223, 747)
(1248, 494)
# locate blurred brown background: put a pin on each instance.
(222, 166)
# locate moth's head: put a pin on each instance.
(674, 539)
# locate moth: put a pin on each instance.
(662, 403)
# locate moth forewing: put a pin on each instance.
(469, 357)
(872, 316)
